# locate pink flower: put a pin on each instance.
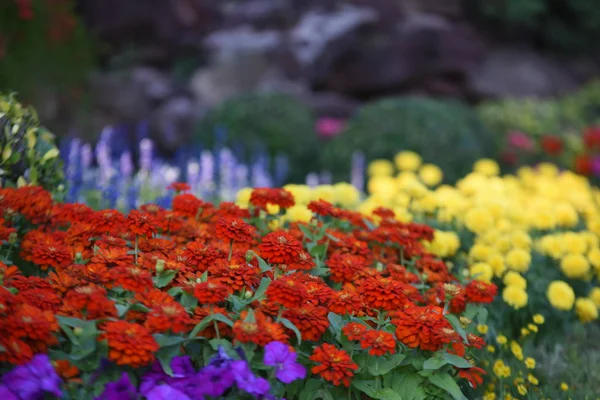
(520, 141)
(328, 127)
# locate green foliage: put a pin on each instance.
(570, 25)
(276, 123)
(569, 114)
(29, 154)
(49, 48)
(443, 132)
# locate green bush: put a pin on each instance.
(28, 153)
(443, 132)
(568, 115)
(275, 123)
(567, 25)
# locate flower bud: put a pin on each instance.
(160, 265)
(12, 238)
(78, 331)
(451, 289)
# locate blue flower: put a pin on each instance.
(166, 392)
(287, 370)
(216, 381)
(119, 390)
(247, 381)
(32, 380)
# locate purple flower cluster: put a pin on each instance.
(221, 375)
(31, 381)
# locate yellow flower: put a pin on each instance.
(574, 266)
(518, 260)
(496, 261)
(532, 327)
(524, 331)
(517, 350)
(298, 213)
(273, 209)
(501, 339)
(274, 224)
(594, 295)
(539, 319)
(564, 387)
(515, 279)
(482, 272)
(586, 310)
(515, 297)
(594, 257)
(243, 197)
(489, 396)
(302, 193)
(324, 192)
(521, 240)
(522, 389)
(444, 244)
(478, 220)
(408, 161)
(530, 363)
(346, 195)
(491, 349)
(532, 379)
(574, 243)
(479, 252)
(380, 168)
(430, 174)
(383, 186)
(561, 295)
(483, 329)
(487, 167)
(501, 370)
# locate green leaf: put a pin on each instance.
(335, 323)
(167, 341)
(457, 361)
(222, 318)
(164, 278)
(367, 387)
(200, 326)
(456, 325)
(262, 264)
(482, 315)
(216, 343)
(69, 332)
(165, 355)
(408, 385)
(188, 300)
(262, 288)
(318, 250)
(332, 238)
(288, 324)
(307, 233)
(447, 383)
(435, 362)
(387, 394)
(322, 394)
(309, 388)
(378, 366)
(175, 291)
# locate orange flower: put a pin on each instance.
(256, 327)
(280, 248)
(318, 292)
(421, 327)
(112, 256)
(7, 273)
(132, 278)
(345, 303)
(129, 344)
(107, 220)
(305, 262)
(65, 369)
(480, 292)
(236, 275)
(88, 302)
(235, 229)
(379, 343)
(17, 351)
(168, 317)
(354, 330)
(187, 205)
(345, 267)
(200, 255)
(44, 299)
(179, 187)
(287, 292)
(260, 197)
(473, 375)
(211, 292)
(141, 223)
(384, 293)
(51, 253)
(333, 365)
(310, 320)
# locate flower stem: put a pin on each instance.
(279, 314)
(136, 249)
(230, 250)
(212, 312)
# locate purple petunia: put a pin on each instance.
(166, 392)
(32, 380)
(247, 381)
(181, 366)
(6, 394)
(119, 390)
(287, 370)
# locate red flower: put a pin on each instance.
(141, 223)
(378, 343)
(211, 292)
(179, 187)
(131, 277)
(235, 229)
(51, 253)
(310, 320)
(260, 197)
(384, 293)
(333, 365)
(354, 330)
(280, 248)
(168, 317)
(187, 205)
(552, 145)
(256, 327)
(236, 275)
(287, 292)
(480, 292)
(473, 375)
(344, 302)
(129, 344)
(584, 165)
(345, 267)
(591, 138)
(420, 327)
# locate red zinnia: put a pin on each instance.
(473, 375)
(378, 342)
(552, 145)
(141, 223)
(310, 320)
(354, 330)
(179, 187)
(280, 248)
(420, 327)
(260, 197)
(129, 344)
(210, 292)
(287, 292)
(168, 317)
(480, 292)
(187, 205)
(333, 365)
(384, 293)
(345, 302)
(584, 165)
(234, 229)
(131, 277)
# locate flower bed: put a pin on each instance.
(206, 301)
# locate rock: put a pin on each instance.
(520, 73)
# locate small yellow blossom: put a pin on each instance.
(539, 319)
(532, 379)
(530, 363)
(483, 329)
(564, 387)
(501, 339)
(561, 295)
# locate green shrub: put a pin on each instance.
(28, 153)
(443, 132)
(568, 25)
(275, 123)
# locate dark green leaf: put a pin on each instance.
(367, 387)
(335, 322)
(222, 318)
(322, 394)
(447, 383)
(378, 366)
(309, 388)
(262, 288)
(188, 300)
(307, 233)
(167, 341)
(288, 324)
(165, 355)
(457, 326)
(216, 343)
(435, 362)
(387, 394)
(175, 291)
(200, 326)
(408, 385)
(164, 278)
(457, 361)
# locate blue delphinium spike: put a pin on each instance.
(312, 180)
(146, 154)
(282, 167)
(325, 178)
(357, 175)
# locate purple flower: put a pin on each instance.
(222, 358)
(166, 392)
(287, 370)
(32, 380)
(216, 381)
(181, 366)
(6, 394)
(247, 381)
(119, 390)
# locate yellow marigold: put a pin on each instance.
(521, 239)
(489, 396)
(273, 209)
(501, 370)
(243, 197)
(514, 297)
(518, 260)
(479, 252)
(346, 194)
(566, 215)
(594, 295)
(564, 387)
(302, 193)
(430, 174)
(482, 328)
(298, 213)
(274, 224)
(487, 167)
(408, 161)
(444, 244)
(530, 362)
(574, 266)
(594, 258)
(574, 243)
(561, 295)
(515, 279)
(482, 272)
(324, 192)
(586, 310)
(539, 319)
(524, 331)
(496, 261)
(383, 186)
(532, 379)
(478, 220)
(380, 167)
